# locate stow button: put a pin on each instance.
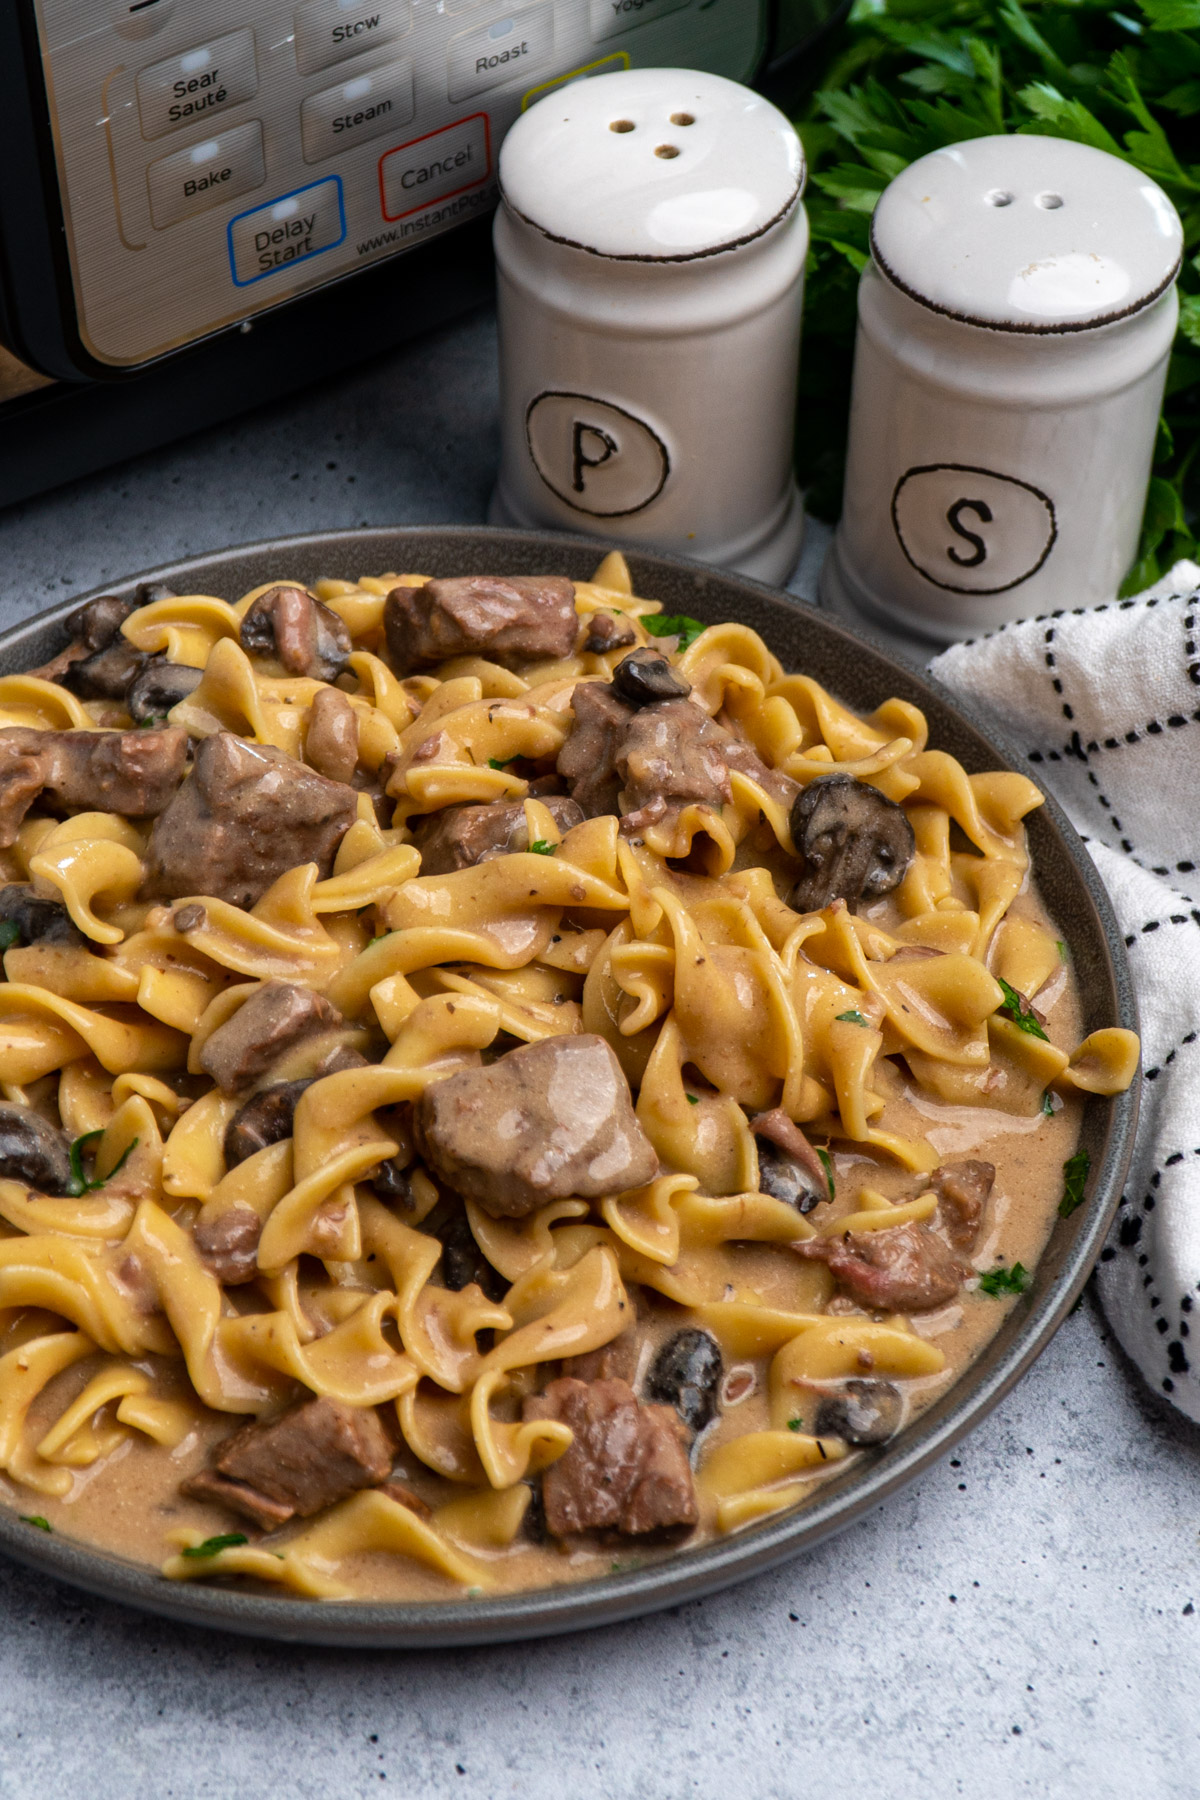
(328, 31)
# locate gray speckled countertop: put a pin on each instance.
(1021, 1621)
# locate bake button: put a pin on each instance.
(357, 109)
(433, 167)
(190, 87)
(205, 174)
(328, 31)
(286, 231)
(502, 51)
(612, 16)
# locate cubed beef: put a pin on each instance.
(228, 1244)
(547, 1121)
(34, 1151)
(670, 754)
(331, 738)
(508, 619)
(246, 815)
(37, 921)
(627, 1467)
(134, 773)
(299, 632)
(264, 1027)
(294, 1466)
(265, 1119)
(962, 1189)
(24, 764)
(587, 761)
(462, 835)
(904, 1268)
(789, 1169)
(745, 759)
(618, 1359)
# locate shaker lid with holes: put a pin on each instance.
(652, 165)
(1027, 234)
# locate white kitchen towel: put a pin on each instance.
(1105, 702)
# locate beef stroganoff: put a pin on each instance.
(498, 1083)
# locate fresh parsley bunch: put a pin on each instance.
(908, 76)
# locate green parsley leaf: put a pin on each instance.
(35, 1519)
(379, 938)
(674, 625)
(1018, 1009)
(851, 1018)
(1075, 1174)
(543, 847)
(502, 762)
(795, 1424)
(692, 1099)
(228, 1540)
(1048, 1104)
(1001, 1281)
(83, 1184)
(10, 934)
(152, 722)
(827, 1165)
(1063, 953)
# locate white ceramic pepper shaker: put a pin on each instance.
(650, 250)
(1014, 326)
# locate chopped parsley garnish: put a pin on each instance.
(1048, 1104)
(378, 939)
(1075, 1174)
(692, 1099)
(674, 625)
(502, 762)
(1064, 955)
(1018, 1009)
(228, 1540)
(1001, 1281)
(827, 1165)
(543, 847)
(795, 1424)
(83, 1184)
(10, 934)
(851, 1018)
(35, 1519)
(152, 722)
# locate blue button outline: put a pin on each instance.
(264, 206)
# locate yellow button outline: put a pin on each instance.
(618, 57)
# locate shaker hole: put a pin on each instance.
(682, 119)
(999, 197)
(1051, 202)
(621, 125)
(666, 150)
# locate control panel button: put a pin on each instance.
(612, 16)
(190, 87)
(357, 109)
(205, 174)
(286, 231)
(501, 51)
(328, 31)
(431, 168)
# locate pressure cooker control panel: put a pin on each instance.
(216, 157)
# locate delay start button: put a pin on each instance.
(434, 167)
(285, 231)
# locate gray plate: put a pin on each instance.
(863, 676)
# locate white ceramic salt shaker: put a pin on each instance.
(1014, 325)
(650, 250)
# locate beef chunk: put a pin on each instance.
(462, 835)
(97, 623)
(228, 1244)
(267, 1025)
(37, 921)
(247, 814)
(861, 1412)
(789, 1169)
(606, 632)
(547, 1121)
(331, 740)
(670, 754)
(403, 1495)
(158, 686)
(305, 636)
(962, 1189)
(134, 773)
(619, 1359)
(508, 619)
(627, 1468)
(745, 759)
(686, 1374)
(905, 1268)
(106, 674)
(294, 1466)
(645, 677)
(34, 1151)
(587, 761)
(265, 1119)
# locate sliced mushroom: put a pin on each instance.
(106, 674)
(863, 1412)
(605, 632)
(158, 686)
(305, 636)
(856, 844)
(34, 1151)
(686, 1374)
(645, 677)
(789, 1169)
(265, 1119)
(98, 622)
(37, 921)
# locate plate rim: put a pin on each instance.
(687, 1574)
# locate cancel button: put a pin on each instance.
(434, 167)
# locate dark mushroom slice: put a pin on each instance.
(462, 1260)
(37, 921)
(606, 632)
(147, 592)
(97, 623)
(105, 675)
(34, 1151)
(686, 1374)
(158, 686)
(265, 1119)
(856, 844)
(305, 636)
(645, 677)
(789, 1169)
(861, 1413)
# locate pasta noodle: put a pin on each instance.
(516, 1090)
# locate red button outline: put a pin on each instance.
(424, 205)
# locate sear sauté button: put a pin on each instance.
(191, 87)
